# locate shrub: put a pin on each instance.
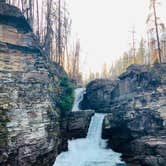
(66, 99)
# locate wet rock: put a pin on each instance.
(135, 107)
(98, 94)
(76, 124)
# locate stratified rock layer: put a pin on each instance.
(136, 107)
(29, 120)
(76, 124)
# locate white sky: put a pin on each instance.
(103, 28)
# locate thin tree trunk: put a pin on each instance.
(59, 32)
(22, 6)
(37, 10)
(41, 28)
(49, 32)
(157, 33)
(31, 13)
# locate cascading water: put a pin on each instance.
(89, 151)
(79, 93)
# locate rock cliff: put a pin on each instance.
(136, 113)
(31, 94)
(76, 124)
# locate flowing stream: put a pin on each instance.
(89, 151)
(79, 93)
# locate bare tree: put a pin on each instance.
(37, 12)
(49, 31)
(153, 5)
(76, 59)
(51, 22)
(133, 44)
(59, 47)
(31, 12)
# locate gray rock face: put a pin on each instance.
(12, 16)
(29, 120)
(76, 124)
(98, 94)
(136, 107)
(150, 150)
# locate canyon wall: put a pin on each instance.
(30, 86)
(135, 124)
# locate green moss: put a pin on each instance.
(4, 101)
(50, 110)
(3, 121)
(66, 98)
(66, 102)
(61, 91)
(3, 138)
(52, 134)
(3, 142)
(64, 81)
(51, 88)
(56, 79)
(13, 139)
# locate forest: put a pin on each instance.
(151, 49)
(51, 23)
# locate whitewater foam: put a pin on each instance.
(89, 151)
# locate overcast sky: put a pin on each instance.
(103, 28)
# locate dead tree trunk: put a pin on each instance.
(156, 27)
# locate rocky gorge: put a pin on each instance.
(135, 104)
(34, 97)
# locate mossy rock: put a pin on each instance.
(4, 104)
(13, 139)
(4, 101)
(3, 139)
(51, 109)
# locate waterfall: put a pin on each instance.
(79, 93)
(95, 129)
(89, 151)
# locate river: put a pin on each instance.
(89, 151)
